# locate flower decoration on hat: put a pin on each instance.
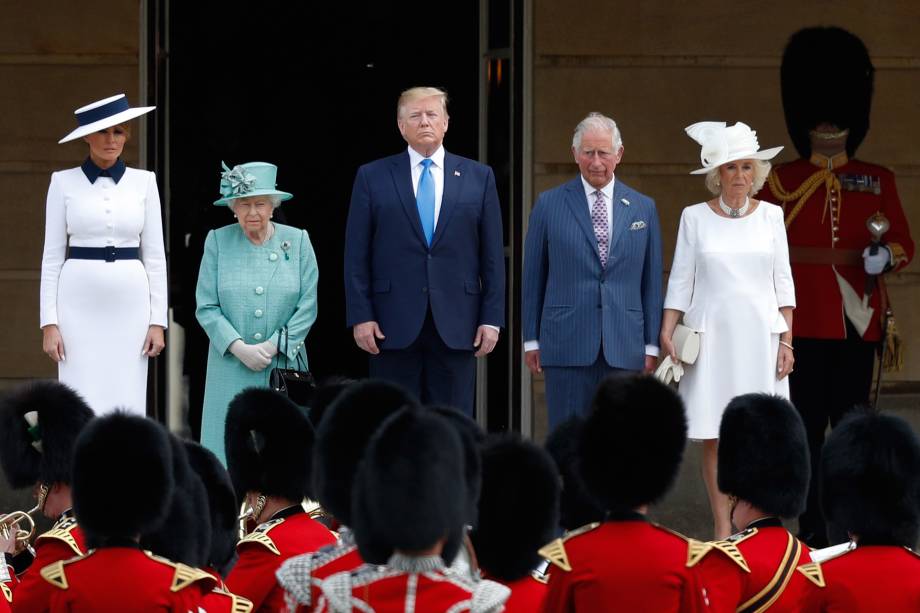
(236, 182)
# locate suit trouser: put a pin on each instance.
(830, 378)
(570, 389)
(430, 369)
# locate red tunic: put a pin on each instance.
(222, 600)
(527, 595)
(628, 565)
(302, 576)
(819, 304)
(868, 578)
(263, 550)
(407, 583)
(7, 581)
(763, 577)
(119, 579)
(63, 542)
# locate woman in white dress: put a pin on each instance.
(732, 282)
(103, 283)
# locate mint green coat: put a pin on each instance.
(250, 292)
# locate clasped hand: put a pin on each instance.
(255, 357)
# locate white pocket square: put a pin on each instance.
(637, 225)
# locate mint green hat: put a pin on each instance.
(247, 180)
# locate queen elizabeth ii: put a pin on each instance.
(256, 294)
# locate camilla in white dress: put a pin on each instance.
(103, 281)
(731, 281)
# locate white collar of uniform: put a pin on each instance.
(415, 158)
(607, 190)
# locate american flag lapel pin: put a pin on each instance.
(456, 173)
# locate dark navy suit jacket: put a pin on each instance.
(572, 305)
(392, 275)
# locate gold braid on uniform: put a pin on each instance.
(808, 187)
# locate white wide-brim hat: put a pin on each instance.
(722, 144)
(104, 114)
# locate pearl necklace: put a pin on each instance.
(739, 212)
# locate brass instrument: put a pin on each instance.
(10, 526)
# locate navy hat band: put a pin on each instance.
(101, 112)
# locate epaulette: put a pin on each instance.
(54, 574)
(260, 536)
(489, 596)
(238, 604)
(813, 571)
(554, 551)
(697, 550)
(61, 531)
(184, 575)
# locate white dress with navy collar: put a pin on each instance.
(104, 309)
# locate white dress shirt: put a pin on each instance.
(607, 190)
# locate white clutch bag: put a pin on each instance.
(686, 343)
(687, 347)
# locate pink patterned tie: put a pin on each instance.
(599, 219)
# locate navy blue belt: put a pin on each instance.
(109, 254)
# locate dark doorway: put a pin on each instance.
(313, 91)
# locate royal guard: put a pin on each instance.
(39, 424)
(576, 507)
(341, 440)
(518, 514)
(630, 450)
(269, 443)
(458, 551)
(763, 467)
(870, 489)
(409, 498)
(122, 488)
(842, 315)
(221, 517)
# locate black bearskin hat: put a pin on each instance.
(870, 479)
(472, 437)
(826, 76)
(632, 441)
(576, 506)
(41, 453)
(763, 454)
(342, 437)
(269, 443)
(122, 477)
(409, 491)
(185, 535)
(518, 507)
(222, 508)
(324, 395)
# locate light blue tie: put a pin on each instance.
(424, 199)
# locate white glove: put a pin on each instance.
(269, 348)
(875, 264)
(254, 357)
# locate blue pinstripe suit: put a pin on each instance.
(585, 316)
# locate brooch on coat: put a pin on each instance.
(637, 225)
(285, 247)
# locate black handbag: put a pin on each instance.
(295, 383)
